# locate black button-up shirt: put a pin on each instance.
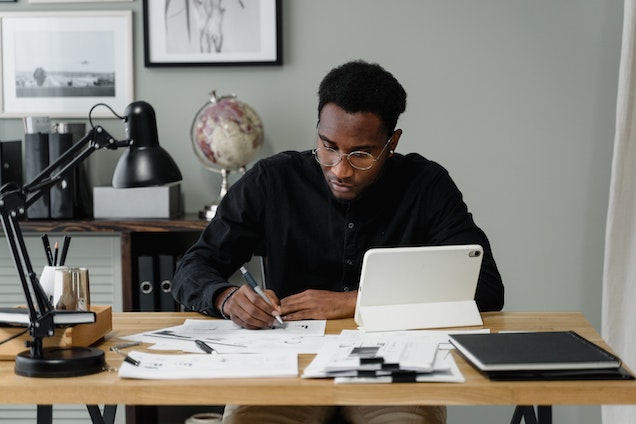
(284, 208)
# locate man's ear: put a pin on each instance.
(395, 138)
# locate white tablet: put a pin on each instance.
(418, 287)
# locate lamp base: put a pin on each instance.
(208, 212)
(61, 362)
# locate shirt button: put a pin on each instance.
(351, 225)
(349, 262)
(346, 289)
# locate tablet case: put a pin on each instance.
(403, 288)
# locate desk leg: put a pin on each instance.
(96, 416)
(45, 414)
(527, 414)
(544, 413)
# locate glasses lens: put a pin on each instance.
(361, 160)
(326, 156)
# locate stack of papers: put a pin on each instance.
(408, 356)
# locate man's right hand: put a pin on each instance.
(247, 309)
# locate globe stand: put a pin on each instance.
(209, 211)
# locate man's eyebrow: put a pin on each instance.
(356, 148)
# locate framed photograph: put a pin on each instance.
(60, 64)
(212, 32)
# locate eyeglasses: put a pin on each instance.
(326, 156)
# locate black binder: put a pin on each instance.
(549, 355)
(166, 272)
(63, 193)
(36, 158)
(146, 283)
(11, 162)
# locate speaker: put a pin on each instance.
(11, 162)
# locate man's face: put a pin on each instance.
(346, 133)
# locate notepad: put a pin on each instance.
(20, 316)
(553, 350)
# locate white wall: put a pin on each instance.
(515, 98)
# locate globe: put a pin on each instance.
(226, 135)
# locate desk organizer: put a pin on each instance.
(78, 335)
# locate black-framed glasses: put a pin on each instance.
(326, 156)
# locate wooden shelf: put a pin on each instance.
(188, 222)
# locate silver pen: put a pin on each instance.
(252, 282)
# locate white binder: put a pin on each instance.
(404, 288)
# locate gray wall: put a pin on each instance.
(515, 98)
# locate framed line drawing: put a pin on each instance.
(212, 32)
(60, 64)
(76, 1)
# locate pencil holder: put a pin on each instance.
(47, 280)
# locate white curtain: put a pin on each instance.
(619, 273)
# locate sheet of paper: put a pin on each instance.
(226, 337)
(299, 346)
(187, 366)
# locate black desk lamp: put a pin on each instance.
(145, 163)
(142, 141)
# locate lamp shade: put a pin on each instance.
(145, 163)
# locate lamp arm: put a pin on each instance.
(14, 202)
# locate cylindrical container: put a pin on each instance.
(72, 289)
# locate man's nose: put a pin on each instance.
(343, 169)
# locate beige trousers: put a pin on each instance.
(243, 414)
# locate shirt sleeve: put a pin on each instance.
(225, 244)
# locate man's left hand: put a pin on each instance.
(319, 304)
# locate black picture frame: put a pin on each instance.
(243, 33)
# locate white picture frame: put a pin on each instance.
(60, 64)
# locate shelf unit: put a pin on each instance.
(137, 237)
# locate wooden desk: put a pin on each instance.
(108, 388)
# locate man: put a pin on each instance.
(316, 213)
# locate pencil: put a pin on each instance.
(47, 249)
(65, 244)
(252, 282)
(55, 257)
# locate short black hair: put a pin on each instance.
(359, 86)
